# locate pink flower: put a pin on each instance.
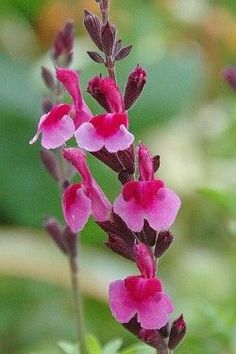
(100, 207)
(107, 130)
(141, 295)
(56, 127)
(70, 80)
(76, 207)
(147, 200)
(106, 92)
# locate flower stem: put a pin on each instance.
(104, 8)
(74, 270)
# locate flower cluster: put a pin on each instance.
(138, 221)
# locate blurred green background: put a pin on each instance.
(186, 114)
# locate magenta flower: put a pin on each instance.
(109, 130)
(56, 127)
(76, 207)
(141, 295)
(73, 201)
(70, 80)
(147, 200)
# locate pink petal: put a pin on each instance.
(76, 207)
(121, 306)
(130, 212)
(57, 135)
(154, 313)
(162, 213)
(101, 207)
(88, 139)
(120, 140)
(70, 79)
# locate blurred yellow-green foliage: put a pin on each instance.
(186, 114)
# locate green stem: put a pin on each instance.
(74, 270)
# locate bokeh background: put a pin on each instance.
(186, 114)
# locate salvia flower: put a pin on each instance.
(141, 295)
(135, 84)
(85, 198)
(108, 130)
(56, 127)
(147, 200)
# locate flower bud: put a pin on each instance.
(120, 246)
(229, 74)
(54, 229)
(96, 57)
(164, 240)
(70, 240)
(145, 260)
(63, 45)
(123, 53)
(93, 27)
(108, 38)
(49, 160)
(153, 338)
(145, 161)
(134, 86)
(177, 333)
(106, 92)
(47, 77)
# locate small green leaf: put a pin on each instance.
(112, 347)
(69, 348)
(93, 345)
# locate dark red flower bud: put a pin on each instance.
(177, 332)
(48, 77)
(108, 38)
(165, 330)
(136, 81)
(147, 235)
(96, 57)
(164, 240)
(229, 74)
(93, 27)
(120, 246)
(126, 157)
(70, 240)
(153, 338)
(63, 45)
(133, 326)
(54, 229)
(123, 53)
(50, 163)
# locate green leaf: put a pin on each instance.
(93, 345)
(112, 347)
(69, 348)
(225, 199)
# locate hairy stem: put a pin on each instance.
(104, 7)
(74, 271)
